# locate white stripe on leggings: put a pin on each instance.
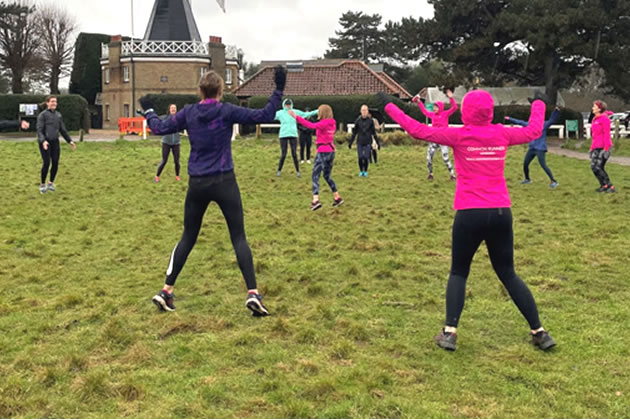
(170, 264)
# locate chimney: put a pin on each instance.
(117, 38)
(216, 40)
(217, 54)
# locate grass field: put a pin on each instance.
(356, 293)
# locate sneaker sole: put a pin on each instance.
(161, 304)
(338, 204)
(446, 345)
(316, 208)
(547, 345)
(254, 306)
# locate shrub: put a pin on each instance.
(74, 109)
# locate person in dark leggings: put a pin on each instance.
(170, 143)
(365, 131)
(289, 133)
(49, 126)
(538, 148)
(482, 203)
(600, 146)
(212, 177)
(306, 142)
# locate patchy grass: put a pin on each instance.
(356, 293)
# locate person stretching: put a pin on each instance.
(600, 146)
(49, 126)
(538, 148)
(325, 132)
(170, 142)
(289, 134)
(439, 118)
(364, 129)
(482, 202)
(211, 170)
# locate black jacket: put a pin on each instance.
(49, 125)
(6, 125)
(364, 128)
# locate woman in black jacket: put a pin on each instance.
(365, 131)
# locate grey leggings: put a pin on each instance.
(431, 151)
(599, 157)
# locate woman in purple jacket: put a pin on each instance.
(211, 170)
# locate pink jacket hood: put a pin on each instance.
(440, 106)
(477, 108)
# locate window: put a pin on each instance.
(164, 79)
(107, 76)
(107, 112)
(126, 74)
(126, 108)
(228, 76)
(203, 71)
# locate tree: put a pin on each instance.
(360, 37)
(56, 29)
(18, 40)
(86, 77)
(250, 69)
(529, 41)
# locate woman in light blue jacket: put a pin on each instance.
(170, 142)
(289, 132)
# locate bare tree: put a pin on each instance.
(56, 27)
(18, 40)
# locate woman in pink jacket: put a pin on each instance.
(439, 118)
(325, 130)
(600, 146)
(482, 202)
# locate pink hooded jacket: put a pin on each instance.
(325, 130)
(601, 132)
(479, 148)
(440, 117)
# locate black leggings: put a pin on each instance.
(363, 152)
(166, 151)
(283, 146)
(494, 226)
(541, 155)
(599, 157)
(222, 189)
(306, 142)
(52, 154)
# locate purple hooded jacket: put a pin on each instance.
(209, 125)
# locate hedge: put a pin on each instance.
(162, 101)
(74, 109)
(347, 108)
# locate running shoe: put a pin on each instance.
(453, 178)
(302, 162)
(430, 177)
(279, 173)
(164, 301)
(601, 189)
(339, 201)
(553, 185)
(42, 189)
(526, 181)
(361, 174)
(254, 304)
(51, 187)
(611, 189)
(178, 178)
(543, 340)
(308, 161)
(365, 174)
(446, 340)
(157, 179)
(299, 174)
(316, 205)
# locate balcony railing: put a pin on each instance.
(160, 48)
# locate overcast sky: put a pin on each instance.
(264, 29)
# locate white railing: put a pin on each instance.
(104, 51)
(164, 48)
(232, 52)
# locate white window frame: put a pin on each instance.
(107, 78)
(229, 74)
(203, 71)
(107, 111)
(126, 74)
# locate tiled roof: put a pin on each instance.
(350, 77)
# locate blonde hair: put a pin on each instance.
(211, 85)
(325, 112)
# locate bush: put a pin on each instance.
(74, 109)
(162, 101)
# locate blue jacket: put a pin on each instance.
(210, 126)
(541, 142)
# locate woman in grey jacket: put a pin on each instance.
(170, 142)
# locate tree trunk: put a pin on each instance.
(17, 86)
(55, 72)
(551, 73)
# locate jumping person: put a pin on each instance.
(538, 148)
(170, 142)
(363, 129)
(211, 169)
(325, 129)
(601, 145)
(306, 142)
(482, 202)
(439, 118)
(289, 134)
(14, 125)
(49, 126)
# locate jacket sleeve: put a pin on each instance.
(308, 124)
(355, 132)
(552, 120)
(521, 135)
(170, 125)
(518, 122)
(453, 107)
(606, 134)
(63, 131)
(305, 114)
(41, 127)
(240, 115)
(4, 125)
(444, 136)
(426, 113)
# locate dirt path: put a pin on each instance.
(556, 150)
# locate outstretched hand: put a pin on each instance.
(280, 77)
(416, 99)
(73, 145)
(292, 113)
(25, 125)
(449, 93)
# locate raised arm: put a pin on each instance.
(426, 112)
(517, 122)
(171, 125)
(305, 114)
(308, 124)
(534, 129)
(240, 115)
(552, 119)
(453, 107)
(445, 136)
(4, 125)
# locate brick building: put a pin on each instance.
(170, 58)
